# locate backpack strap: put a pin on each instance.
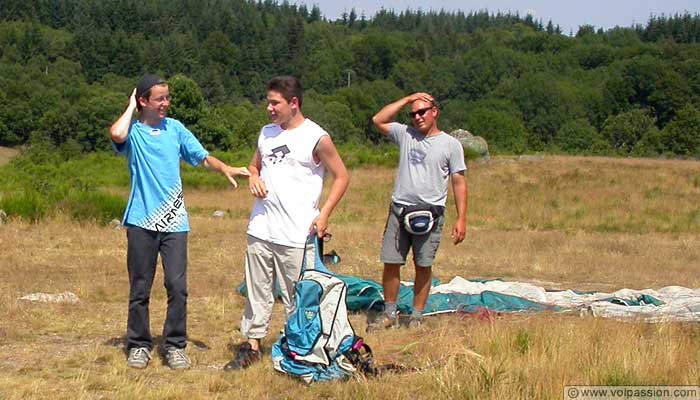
(317, 261)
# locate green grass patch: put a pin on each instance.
(102, 207)
(355, 155)
(523, 342)
(28, 204)
(618, 376)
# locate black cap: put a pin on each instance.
(146, 83)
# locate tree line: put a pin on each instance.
(67, 66)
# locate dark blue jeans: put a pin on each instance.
(142, 256)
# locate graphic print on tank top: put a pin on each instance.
(278, 154)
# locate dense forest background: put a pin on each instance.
(67, 66)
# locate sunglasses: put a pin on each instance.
(420, 112)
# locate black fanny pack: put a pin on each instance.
(418, 219)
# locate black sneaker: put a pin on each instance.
(245, 357)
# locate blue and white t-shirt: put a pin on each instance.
(153, 155)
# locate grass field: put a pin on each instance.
(562, 222)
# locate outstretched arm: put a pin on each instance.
(214, 164)
(328, 154)
(120, 128)
(459, 187)
(386, 115)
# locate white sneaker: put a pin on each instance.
(138, 357)
(177, 358)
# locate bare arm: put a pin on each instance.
(214, 164)
(388, 113)
(328, 154)
(120, 128)
(459, 187)
(255, 183)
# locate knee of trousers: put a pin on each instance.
(140, 291)
(176, 288)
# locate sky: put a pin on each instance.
(569, 14)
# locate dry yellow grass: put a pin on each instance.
(581, 223)
(6, 154)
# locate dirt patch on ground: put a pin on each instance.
(6, 154)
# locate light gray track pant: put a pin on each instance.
(266, 263)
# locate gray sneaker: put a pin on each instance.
(177, 358)
(383, 321)
(138, 357)
(415, 322)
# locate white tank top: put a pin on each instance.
(294, 183)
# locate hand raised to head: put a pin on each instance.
(132, 99)
(427, 97)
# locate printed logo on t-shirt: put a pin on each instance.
(416, 156)
(154, 132)
(169, 216)
(278, 154)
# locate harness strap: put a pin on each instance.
(402, 209)
(361, 357)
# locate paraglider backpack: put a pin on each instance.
(318, 343)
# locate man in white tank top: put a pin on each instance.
(286, 179)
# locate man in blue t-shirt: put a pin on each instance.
(428, 158)
(156, 218)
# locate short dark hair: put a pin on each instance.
(288, 86)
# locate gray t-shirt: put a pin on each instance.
(425, 164)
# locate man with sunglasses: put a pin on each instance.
(155, 217)
(428, 157)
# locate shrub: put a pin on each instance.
(682, 134)
(579, 136)
(625, 130)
